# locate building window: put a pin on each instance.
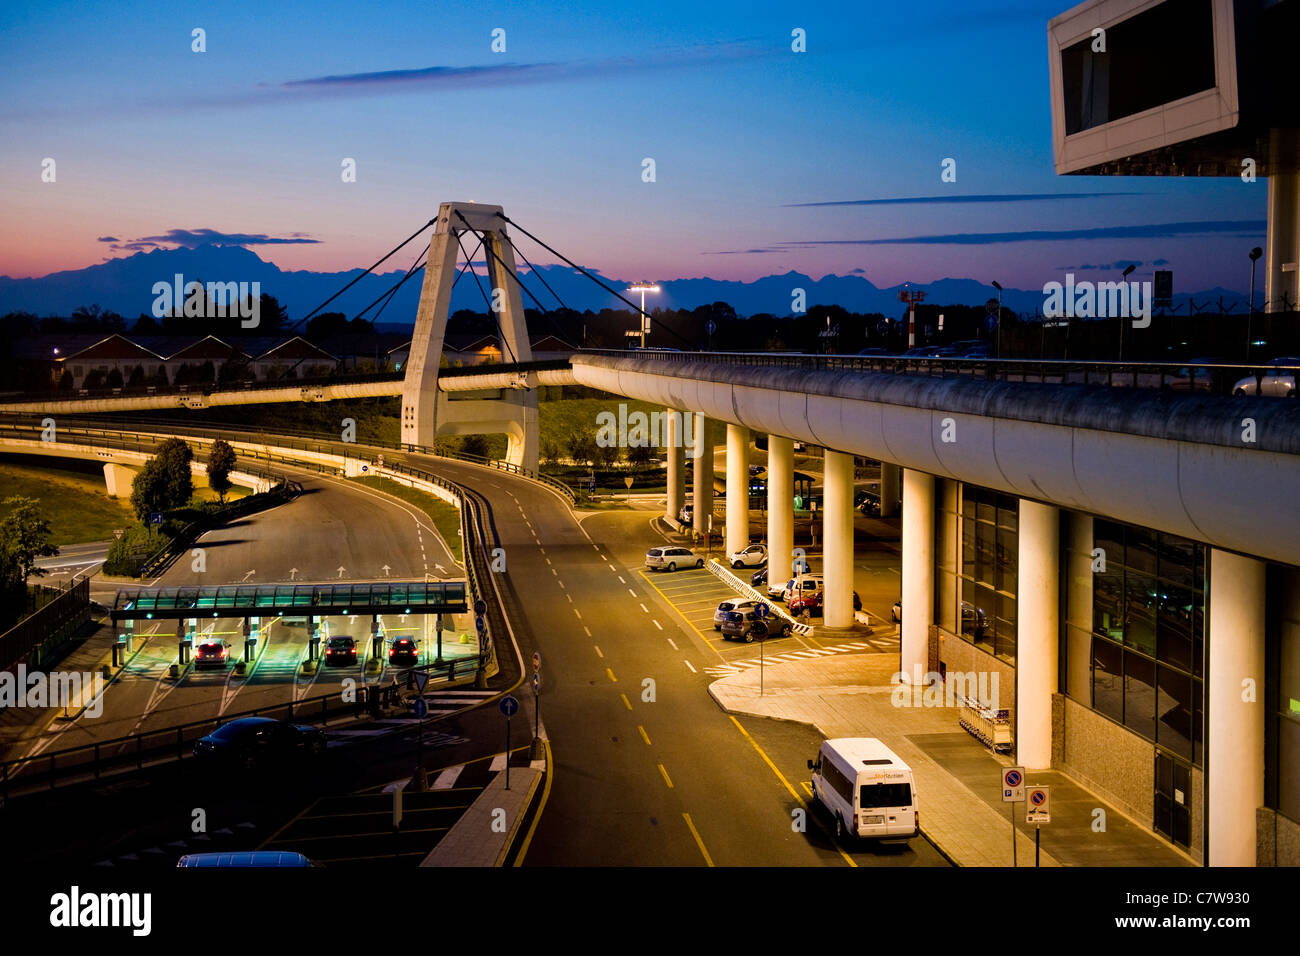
(1148, 618)
(989, 570)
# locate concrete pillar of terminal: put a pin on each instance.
(888, 490)
(918, 570)
(117, 480)
(702, 475)
(1079, 604)
(837, 531)
(672, 436)
(1235, 714)
(737, 487)
(1038, 579)
(1283, 242)
(780, 507)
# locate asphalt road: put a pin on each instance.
(648, 769)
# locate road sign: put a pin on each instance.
(537, 661)
(421, 708)
(627, 482)
(480, 607)
(480, 625)
(421, 680)
(1013, 784)
(365, 467)
(537, 683)
(1037, 806)
(762, 610)
(155, 517)
(509, 706)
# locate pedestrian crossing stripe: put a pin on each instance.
(788, 657)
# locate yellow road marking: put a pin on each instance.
(546, 793)
(667, 779)
(683, 617)
(786, 783)
(708, 860)
(626, 701)
(598, 653)
(644, 736)
(611, 675)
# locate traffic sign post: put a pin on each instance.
(535, 751)
(1038, 806)
(509, 706)
(1013, 791)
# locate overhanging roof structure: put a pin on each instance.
(293, 600)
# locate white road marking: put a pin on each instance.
(688, 664)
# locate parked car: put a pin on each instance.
(1197, 375)
(897, 611)
(340, 651)
(874, 351)
(1277, 380)
(751, 557)
(672, 558)
(254, 741)
(212, 653)
(687, 514)
(758, 578)
(801, 585)
(742, 625)
(726, 607)
(403, 650)
(813, 603)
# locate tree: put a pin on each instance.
(582, 447)
(165, 481)
(221, 461)
(475, 445)
(638, 456)
(24, 536)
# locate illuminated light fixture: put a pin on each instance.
(643, 288)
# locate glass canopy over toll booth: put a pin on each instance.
(380, 613)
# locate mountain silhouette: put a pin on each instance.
(125, 285)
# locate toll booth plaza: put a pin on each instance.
(243, 620)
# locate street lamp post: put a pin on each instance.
(643, 288)
(1250, 309)
(1128, 271)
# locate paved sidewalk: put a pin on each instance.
(485, 832)
(956, 776)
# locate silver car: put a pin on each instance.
(1277, 380)
(671, 558)
(744, 605)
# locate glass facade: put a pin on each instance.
(1145, 635)
(986, 578)
(1285, 789)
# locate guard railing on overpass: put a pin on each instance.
(1201, 378)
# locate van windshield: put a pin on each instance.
(876, 795)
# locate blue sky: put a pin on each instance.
(247, 138)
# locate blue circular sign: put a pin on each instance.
(1037, 797)
(421, 708)
(1013, 778)
(509, 706)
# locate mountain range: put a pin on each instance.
(125, 285)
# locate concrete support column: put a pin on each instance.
(1283, 241)
(918, 570)
(737, 487)
(117, 480)
(780, 507)
(888, 490)
(1037, 631)
(837, 530)
(702, 475)
(1235, 727)
(672, 436)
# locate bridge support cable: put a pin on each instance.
(518, 281)
(392, 252)
(501, 335)
(618, 295)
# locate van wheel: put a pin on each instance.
(839, 826)
(672, 565)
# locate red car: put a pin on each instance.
(812, 603)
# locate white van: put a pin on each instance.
(867, 788)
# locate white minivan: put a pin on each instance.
(867, 789)
(802, 585)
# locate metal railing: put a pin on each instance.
(45, 630)
(1199, 378)
(133, 751)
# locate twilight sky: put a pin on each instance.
(766, 160)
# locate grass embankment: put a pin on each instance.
(445, 517)
(73, 501)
